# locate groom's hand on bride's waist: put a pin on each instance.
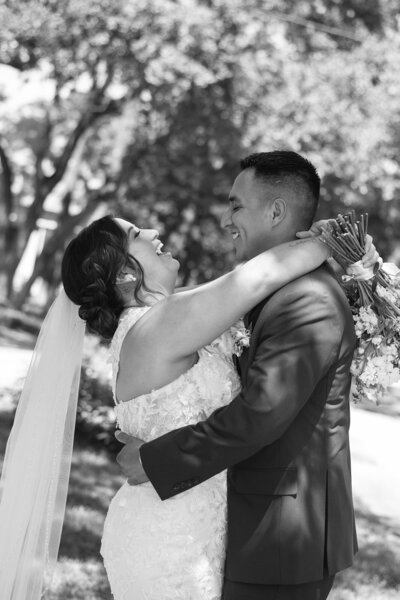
(129, 458)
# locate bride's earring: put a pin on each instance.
(125, 278)
(126, 285)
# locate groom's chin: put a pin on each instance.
(238, 256)
(238, 251)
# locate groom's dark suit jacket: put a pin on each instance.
(284, 440)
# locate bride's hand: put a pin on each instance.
(371, 256)
(315, 229)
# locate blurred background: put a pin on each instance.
(143, 109)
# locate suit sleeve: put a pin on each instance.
(297, 343)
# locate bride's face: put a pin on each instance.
(160, 270)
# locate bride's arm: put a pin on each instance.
(186, 288)
(187, 321)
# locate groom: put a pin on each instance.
(284, 439)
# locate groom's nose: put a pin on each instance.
(226, 219)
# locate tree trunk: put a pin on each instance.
(44, 185)
(53, 245)
(10, 248)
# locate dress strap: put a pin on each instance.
(128, 319)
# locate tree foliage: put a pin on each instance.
(144, 107)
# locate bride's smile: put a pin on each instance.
(160, 268)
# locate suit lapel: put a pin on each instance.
(250, 318)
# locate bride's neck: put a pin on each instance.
(149, 298)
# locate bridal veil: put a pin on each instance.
(34, 480)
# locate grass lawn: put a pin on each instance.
(376, 572)
(80, 573)
(95, 478)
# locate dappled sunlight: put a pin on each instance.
(92, 463)
(82, 519)
(95, 477)
(79, 580)
(80, 542)
(373, 441)
(150, 124)
(80, 495)
(376, 572)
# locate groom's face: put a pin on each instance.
(247, 216)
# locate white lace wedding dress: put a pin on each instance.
(172, 549)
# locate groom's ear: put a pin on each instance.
(278, 211)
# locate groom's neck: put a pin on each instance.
(271, 243)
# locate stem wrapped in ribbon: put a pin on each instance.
(374, 296)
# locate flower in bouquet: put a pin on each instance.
(366, 321)
(374, 296)
(241, 339)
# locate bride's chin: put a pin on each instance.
(176, 262)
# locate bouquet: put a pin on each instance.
(374, 296)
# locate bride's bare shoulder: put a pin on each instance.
(148, 360)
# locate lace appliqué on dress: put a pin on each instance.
(172, 549)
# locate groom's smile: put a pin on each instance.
(246, 217)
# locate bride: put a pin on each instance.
(172, 365)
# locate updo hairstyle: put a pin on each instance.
(91, 264)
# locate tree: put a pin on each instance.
(148, 105)
(105, 60)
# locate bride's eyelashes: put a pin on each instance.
(133, 233)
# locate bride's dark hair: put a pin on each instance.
(90, 266)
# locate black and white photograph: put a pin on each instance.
(199, 300)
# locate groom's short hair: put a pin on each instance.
(284, 167)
